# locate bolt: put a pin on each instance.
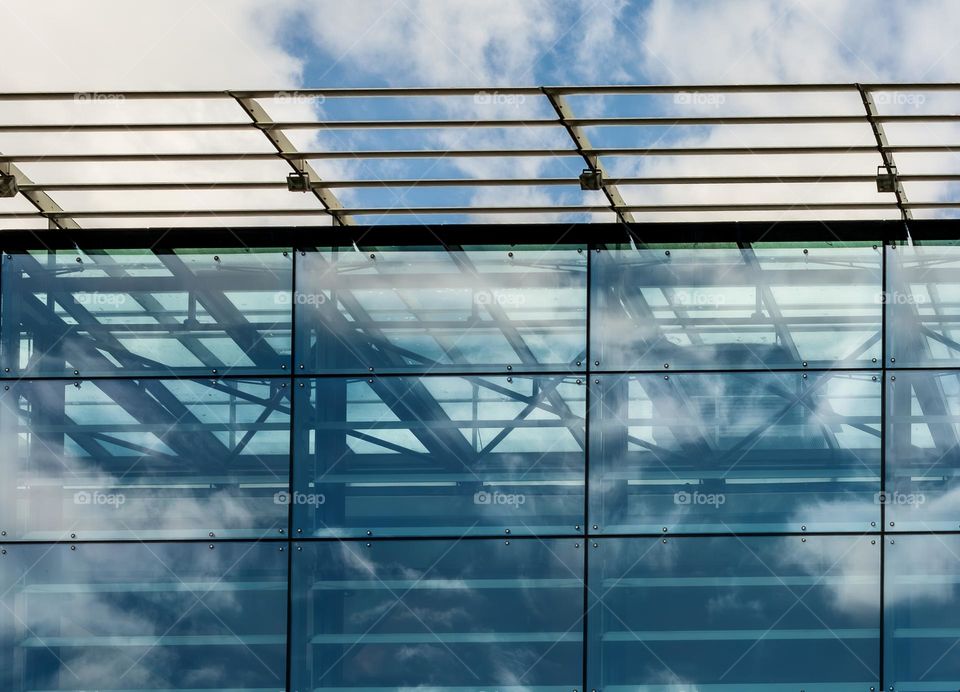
(73, 535)
(506, 530)
(210, 534)
(73, 547)
(210, 546)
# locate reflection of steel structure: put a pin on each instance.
(250, 140)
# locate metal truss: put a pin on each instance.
(615, 143)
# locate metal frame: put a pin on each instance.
(551, 99)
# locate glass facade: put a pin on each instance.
(716, 467)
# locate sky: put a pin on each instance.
(102, 46)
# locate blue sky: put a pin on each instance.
(108, 44)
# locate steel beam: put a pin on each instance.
(284, 146)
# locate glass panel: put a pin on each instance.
(734, 614)
(466, 615)
(726, 308)
(439, 456)
(923, 451)
(159, 616)
(923, 305)
(143, 459)
(422, 309)
(142, 312)
(922, 613)
(702, 452)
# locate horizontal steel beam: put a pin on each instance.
(474, 153)
(640, 121)
(553, 209)
(380, 92)
(488, 182)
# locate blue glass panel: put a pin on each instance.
(923, 305)
(135, 312)
(752, 614)
(141, 459)
(439, 456)
(705, 452)
(922, 613)
(431, 309)
(923, 450)
(471, 615)
(160, 616)
(725, 308)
